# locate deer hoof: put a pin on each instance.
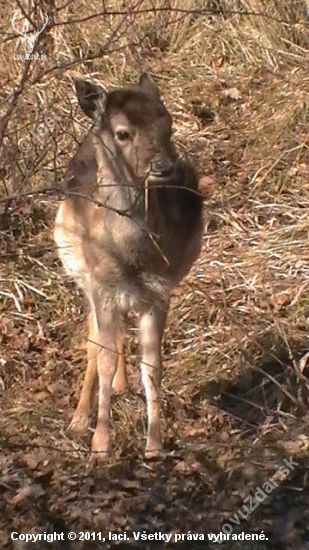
(154, 453)
(79, 424)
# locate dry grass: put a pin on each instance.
(236, 375)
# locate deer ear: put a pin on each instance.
(147, 83)
(91, 97)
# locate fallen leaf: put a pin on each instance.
(181, 466)
(64, 401)
(188, 467)
(207, 184)
(31, 461)
(53, 388)
(232, 93)
(32, 491)
(130, 484)
(42, 395)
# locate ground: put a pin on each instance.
(235, 385)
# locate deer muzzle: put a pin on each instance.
(161, 166)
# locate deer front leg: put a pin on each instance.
(107, 355)
(81, 417)
(151, 327)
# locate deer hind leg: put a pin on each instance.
(151, 329)
(81, 417)
(120, 381)
(107, 356)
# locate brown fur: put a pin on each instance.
(128, 232)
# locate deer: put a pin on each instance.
(128, 230)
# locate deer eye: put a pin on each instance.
(122, 135)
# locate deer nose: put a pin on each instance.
(161, 166)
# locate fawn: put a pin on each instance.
(128, 231)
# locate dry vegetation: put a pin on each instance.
(235, 75)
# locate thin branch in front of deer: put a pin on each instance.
(25, 14)
(146, 198)
(105, 49)
(63, 192)
(14, 100)
(107, 348)
(184, 13)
